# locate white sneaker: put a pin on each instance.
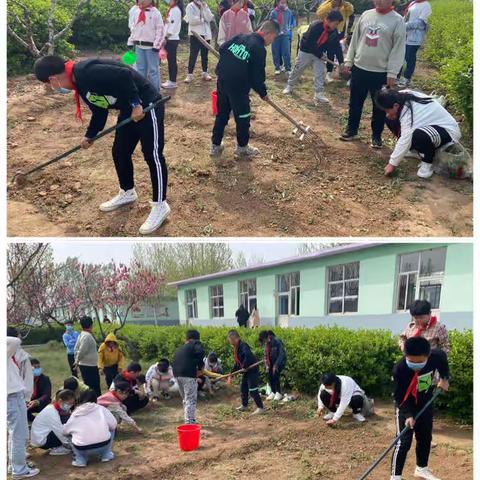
(402, 81)
(287, 90)
(31, 473)
(358, 417)
(246, 152)
(425, 170)
(259, 411)
(328, 416)
(216, 150)
(320, 99)
(189, 78)
(169, 84)
(278, 396)
(159, 212)
(424, 473)
(78, 464)
(122, 198)
(59, 451)
(329, 78)
(206, 76)
(241, 408)
(277, 72)
(396, 477)
(270, 397)
(109, 457)
(288, 73)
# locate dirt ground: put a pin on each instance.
(283, 192)
(288, 443)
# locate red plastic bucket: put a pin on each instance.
(214, 102)
(188, 437)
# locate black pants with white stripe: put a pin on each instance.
(427, 140)
(356, 402)
(150, 133)
(249, 385)
(423, 436)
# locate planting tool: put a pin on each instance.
(20, 177)
(243, 370)
(398, 437)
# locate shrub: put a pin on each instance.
(39, 336)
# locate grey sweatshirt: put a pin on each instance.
(86, 350)
(378, 43)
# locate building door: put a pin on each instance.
(288, 298)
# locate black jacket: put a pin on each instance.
(309, 44)
(245, 357)
(242, 64)
(278, 354)
(403, 375)
(188, 359)
(42, 390)
(105, 85)
(242, 316)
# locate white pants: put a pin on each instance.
(304, 60)
(18, 434)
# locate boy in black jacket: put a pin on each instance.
(244, 358)
(320, 38)
(104, 85)
(413, 377)
(187, 365)
(241, 67)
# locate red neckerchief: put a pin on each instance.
(324, 36)
(111, 349)
(56, 405)
(280, 15)
(411, 4)
(15, 361)
(384, 11)
(333, 399)
(142, 17)
(412, 389)
(267, 352)
(35, 381)
(235, 356)
(69, 71)
(114, 393)
(430, 324)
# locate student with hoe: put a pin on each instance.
(109, 85)
(241, 67)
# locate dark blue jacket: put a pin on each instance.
(245, 357)
(278, 354)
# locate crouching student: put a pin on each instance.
(414, 386)
(76, 386)
(320, 39)
(337, 392)
(420, 124)
(109, 85)
(187, 362)
(159, 380)
(212, 369)
(137, 398)
(111, 360)
(42, 390)
(275, 361)
(47, 427)
(244, 359)
(241, 67)
(113, 401)
(92, 429)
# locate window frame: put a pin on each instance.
(342, 282)
(242, 293)
(191, 303)
(212, 302)
(288, 294)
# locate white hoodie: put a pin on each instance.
(173, 24)
(198, 20)
(348, 388)
(48, 420)
(90, 424)
(19, 370)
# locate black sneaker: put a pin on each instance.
(376, 142)
(348, 136)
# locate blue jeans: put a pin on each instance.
(148, 65)
(18, 434)
(105, 453)
(281, 52)
(411, 60)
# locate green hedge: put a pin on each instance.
(39, 336)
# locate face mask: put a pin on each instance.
(37, 371)
(167, 2)
(330, 391)
(415, 366)
(69, 328)
(65, 407)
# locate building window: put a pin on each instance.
(420, 277)
(343, 288)
(191, 298)
(288, 294)
(216, 301)
(248, 294)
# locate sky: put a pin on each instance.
(122, 251)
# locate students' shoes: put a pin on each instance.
(78, 464)
(158, 214)
(348, 136)
(241, 408)
(166, 396)
(396, 477)
(169, 84)
(108, 457)
(403, 82)
(328, 416)
(425, 473)
(59, 451)
(287, 90)
(277, 72)
(216, 150)
(320, 99)
(155, 399)
(206, 76)
(278, 396)
(329, 77)
(259, 411)
(271, 396)
(288, 73)
(122, 198)
(425, 170)
(202, 394)
(358, 417)
(189, 78)
(376, 142)
(32, 472)
(246, 152)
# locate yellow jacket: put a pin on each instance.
(346, 9)
(107, 357)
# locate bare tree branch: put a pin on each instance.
(32, 256)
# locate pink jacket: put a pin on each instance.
(150, 31)
(233, 22)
